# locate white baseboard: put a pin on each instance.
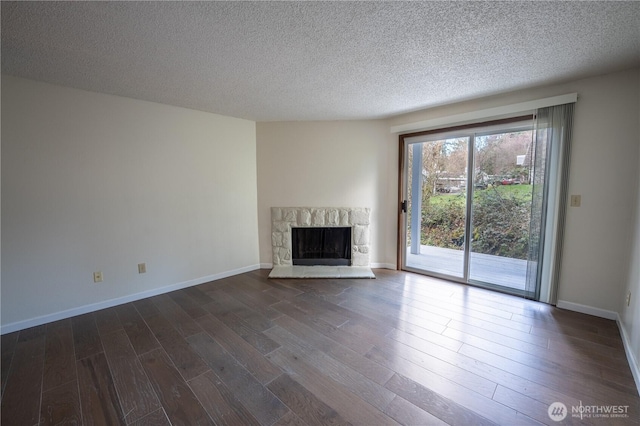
(266, 266)
(384, 265)
(633, 362)
(44, 319)
(590, 310)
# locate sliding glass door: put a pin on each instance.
(501, 209)
(468, 202)
(437, 205)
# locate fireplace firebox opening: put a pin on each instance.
(321, 246)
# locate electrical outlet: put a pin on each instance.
(575, 200)
(142, 268)
(97, 277)
(628, 298)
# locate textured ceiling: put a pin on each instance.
(269, 61)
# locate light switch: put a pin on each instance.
(575, 200)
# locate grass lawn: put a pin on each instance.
(520, 191)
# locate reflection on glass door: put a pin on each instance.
(471, 227)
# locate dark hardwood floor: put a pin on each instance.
(246, 350)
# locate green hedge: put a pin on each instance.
(500, 221)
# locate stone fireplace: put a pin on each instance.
(283, 219)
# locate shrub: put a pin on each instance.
(501, 224)
(443, 224)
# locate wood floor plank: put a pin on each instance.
(184, 358)
(262, 343)
(140, 336)
(366, 332)
(304, 403)
(243, 352)
(262, 404)
(455, 327)
(441, 367)
(578, 361)
(290, 419)
(434, 403)
(32, 333)
(377, 309)
(98, 396)
(622, 378)
(279, 290)
(263, 286)
(157, 418)
(313, 310)
(21, 400)
(180, 320)
(221, 404)
(146, 308)
(419, 338)
(574, 384)
(501, 326)
(459, 305)
(352, 342)
(198, 295)
(135, 392)
(591, 348)
(548, 322)
(415, 295)
(406, 413)
(348, 357)
(259, 302)
(528, 406)
(571, 333)
(321, 286)
(180, 404)
(59, 361)
(573, 318)
(86, 337)
(193, 309)
(445, 388)
(61, 405)
(7, 346)
(347, 404)
(368, 390)
(472, 317)
(107, 321)
(381, 324)
(223, 304)
(490, 372)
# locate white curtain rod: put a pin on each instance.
(470, 117)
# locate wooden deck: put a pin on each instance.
(503, 271)
(247, 350)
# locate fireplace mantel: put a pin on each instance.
(285, 218)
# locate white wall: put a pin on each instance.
(604, 165)
(324, 164)
(97, 182)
